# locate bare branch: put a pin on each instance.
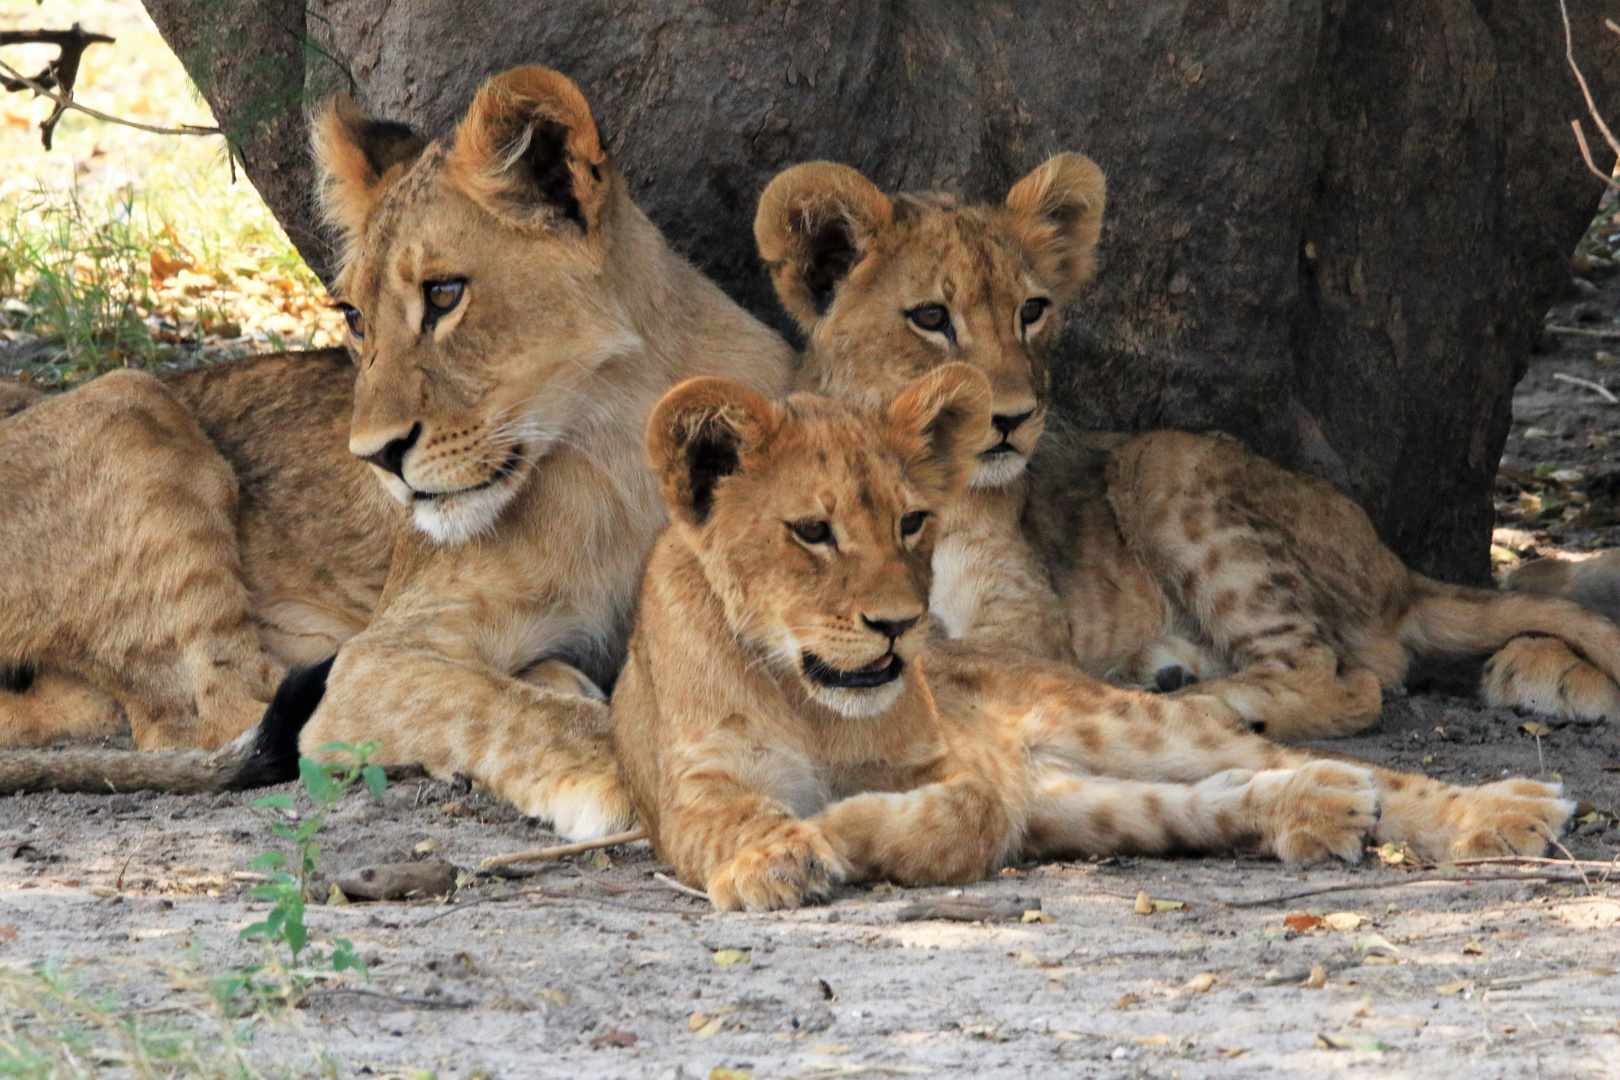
(1591, 106)
(65, 101)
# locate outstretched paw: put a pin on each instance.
(795, 866)
(1509, 817)
(1322, 810)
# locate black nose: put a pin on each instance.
(392, 456)
(1009, 424)
(890, 628)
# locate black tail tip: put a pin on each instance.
(274, 757)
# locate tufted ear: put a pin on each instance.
(1058, 209)
(358, 158)
(945, 417)
(698, 434)
(815, 221)
(528, 152)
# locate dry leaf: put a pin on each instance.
(696, 1021)
(1302, 922)
(1535, 727)
(614, 1038)
(1168, 905)
(1317, 978)
(1455, 987)
(1375, 943)
(1200, 983)
(1035, 915)
(426, 847)
(1474, 948)
(1342, 920)
(335, 896)
(601, 861)
(1066, 1036)
(556, 997)
(727, 957)
(1143, 905)
(1334, 1042)
(711, 1028)
(8, 933)
(1152, 1040)
(1029, 959)
(1126, 1001)
(721, 1073)
(1231, 1051)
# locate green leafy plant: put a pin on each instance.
(325, 785)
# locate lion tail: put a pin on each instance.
(1453, 621)
(263, 755)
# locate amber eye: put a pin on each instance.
(1032, 310)
(440, 298)
(356, 321)
(912, 523)
(812, 532)
(934, 318)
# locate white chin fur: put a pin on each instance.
(860, 704)
(999, 470)
(455, 519)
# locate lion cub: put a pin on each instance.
(776, 722)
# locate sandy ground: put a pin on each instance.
(546, 976)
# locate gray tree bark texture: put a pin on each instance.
(1333, 224)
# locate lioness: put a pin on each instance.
(1157, 559)
(784, 724)
(464, 510)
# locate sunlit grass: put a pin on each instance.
(126, 248)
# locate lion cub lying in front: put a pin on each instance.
(776, 724)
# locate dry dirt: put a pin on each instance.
(545, 976)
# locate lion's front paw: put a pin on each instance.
(793, 867)
(1509, 817)
(1321, 810)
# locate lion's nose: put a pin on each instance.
(1006, 425)
(392, 455)
(890, 628)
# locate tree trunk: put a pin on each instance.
(1333, 225)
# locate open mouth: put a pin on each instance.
(508, 467)
(885, 669)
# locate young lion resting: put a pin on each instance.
(784, 723)
(1161, 558)
(462, 504)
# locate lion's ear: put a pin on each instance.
(528, 152)
(358, 158)
(698, 434)
(814, 223)
(947, 414)
(1059, 211)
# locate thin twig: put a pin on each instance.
(561, 850)
(69, 103)
(1591, 106)
(1427, 879)
(684, 890)
(1587, 384)
(1536, 860)
(1581, 331)
(397, 999)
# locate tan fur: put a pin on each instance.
(474, 641)
(1160, 558)
(759, 783)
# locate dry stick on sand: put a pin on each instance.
(1591, 106)
(561, 850)
(684, 890)
(1588, 384)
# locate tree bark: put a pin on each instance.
(1333, 225)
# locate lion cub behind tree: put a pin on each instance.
(777, 720)
(1156, 559)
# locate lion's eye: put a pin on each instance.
(812, 532)
(356, 321)
(912, 523)
(934, 318)
(1032, 310)
(440, 298)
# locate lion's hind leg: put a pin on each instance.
(38, 708)
(1441, 821)
(1544, 675)
(1305, 814)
